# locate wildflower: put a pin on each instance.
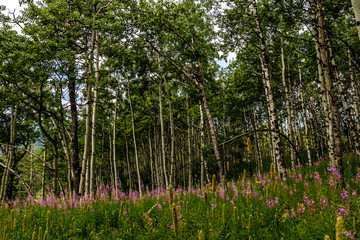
(344, 212)
(125, 213)
(323, 203)
(344, 196)
(300, 177)
(301, 208)
(349, 234)
(213, 205)
(271, 203)
(290, 215)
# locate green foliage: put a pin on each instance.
(304, 206)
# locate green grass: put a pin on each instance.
(301, 206)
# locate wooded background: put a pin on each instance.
(131, 93)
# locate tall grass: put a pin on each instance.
(303, 205)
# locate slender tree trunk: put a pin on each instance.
(10, 153)
(346, 109)
(74, 162)
(189, 141)
(56, 171)
(157, 162)
(86, 138)
(355, 93)
(88, 87)
(162, 134)
(337, 158)
(102, 151)
(212, 133)
(127, 158)
(96, 99)
(65, 147)
(43, 174)
(316, 125)
(202, 145)
(172, 136)
(183, 163)
(287, 101)
(134, 138)
(31, 178)
(279, 157)
(112, 177)
(307, 137)
(114, 144)
(325, 99)
(151, 162)
(257, 145)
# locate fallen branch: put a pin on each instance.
(33, 154)
(27, 187)
(263, 130)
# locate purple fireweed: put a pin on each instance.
(344, 212)
(272, 203)
(292, 214)
(344, 196)
(323, 203)
(349, 234)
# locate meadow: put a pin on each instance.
(306, 204)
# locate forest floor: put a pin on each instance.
(306, 204)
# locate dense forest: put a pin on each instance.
(137, 94)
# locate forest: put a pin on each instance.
(180, 119)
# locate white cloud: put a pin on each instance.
(231, 57)
(12, 7)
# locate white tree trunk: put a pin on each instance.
(162, 134)
(307, 137)
(189, 141)
(134, 138)
(96, 99)
(172, 135)
(279, 157)
(287, 101)
(116, 179)
(335, 119)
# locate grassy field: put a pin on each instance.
(303, 205)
